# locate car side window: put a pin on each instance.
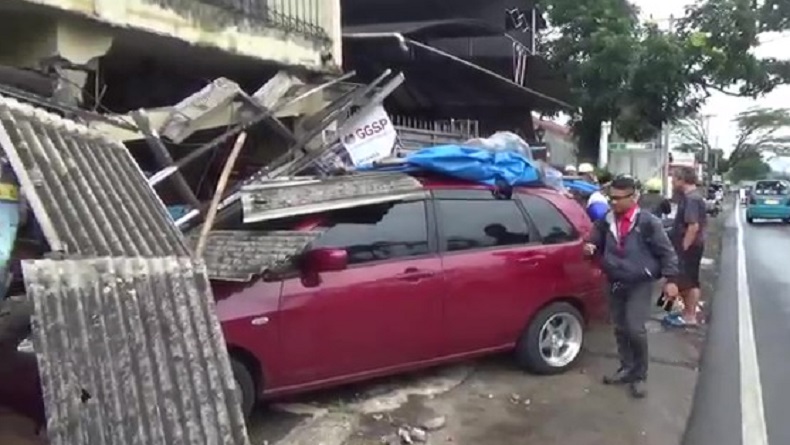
(552, 226)
(475, 224)
(377, 232)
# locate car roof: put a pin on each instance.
(436, 183)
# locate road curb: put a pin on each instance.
(714, 420)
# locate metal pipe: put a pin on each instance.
(402, 41)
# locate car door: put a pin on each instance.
(493, 263)
(384, 310)
(566, 264)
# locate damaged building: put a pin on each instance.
(129, 54)
(99, 61)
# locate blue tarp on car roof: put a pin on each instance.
(580, 185)
(472, 164)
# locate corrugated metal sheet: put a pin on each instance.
(278, 199)
(131, 352)
(86, 191)
(236, 255)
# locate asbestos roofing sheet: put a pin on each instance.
(86, 191)
(235, 255)
(130, 352)
(278, 199)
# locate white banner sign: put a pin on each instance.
(684, 159)
(370, 138)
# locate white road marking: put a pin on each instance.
(754, 431)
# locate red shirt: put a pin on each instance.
(624, 223)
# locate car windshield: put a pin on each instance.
(771, 188)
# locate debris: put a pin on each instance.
(419, 435)
(410, 435)
(435, 424)
(391, 439)
(404, 436)
(377, 417)
(515, 398)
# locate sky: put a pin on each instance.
(720, 107)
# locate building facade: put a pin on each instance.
(148, 50)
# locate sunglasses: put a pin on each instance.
(620, 198)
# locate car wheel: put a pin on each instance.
(246, 386)
(552, 342)
(750, 220)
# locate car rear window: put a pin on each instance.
(377, 232)
(552, 226)
(476, 224)
(771, 188)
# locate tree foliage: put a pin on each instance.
(695, 137)
(694, 131)
(759, 130)
(640, 76)
(749, 169)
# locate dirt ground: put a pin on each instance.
(492, 402)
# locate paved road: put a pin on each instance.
(743, 396)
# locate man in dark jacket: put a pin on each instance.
(635, 252)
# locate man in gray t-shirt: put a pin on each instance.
(688, 237)
(691, 211)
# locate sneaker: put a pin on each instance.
(620, 377)
(638, 389)
(674, 320)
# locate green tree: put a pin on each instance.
(594, 45)
(749, 169)
(759, 130)
(694, 132)
(641, 77)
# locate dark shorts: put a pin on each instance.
(690, 261)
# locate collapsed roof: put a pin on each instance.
(122, 313)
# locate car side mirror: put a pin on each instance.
(325, 260)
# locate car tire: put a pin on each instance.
(534, 358)
(246, 386)
(750, 220)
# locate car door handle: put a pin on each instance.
(532, 260)
(414, 274)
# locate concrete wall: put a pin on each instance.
(562, 148)
(259, 29)
(640, 163)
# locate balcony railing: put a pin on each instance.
(305, 17)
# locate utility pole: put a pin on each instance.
(666, 132)
(706, 146)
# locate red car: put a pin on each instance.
(447, 275)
